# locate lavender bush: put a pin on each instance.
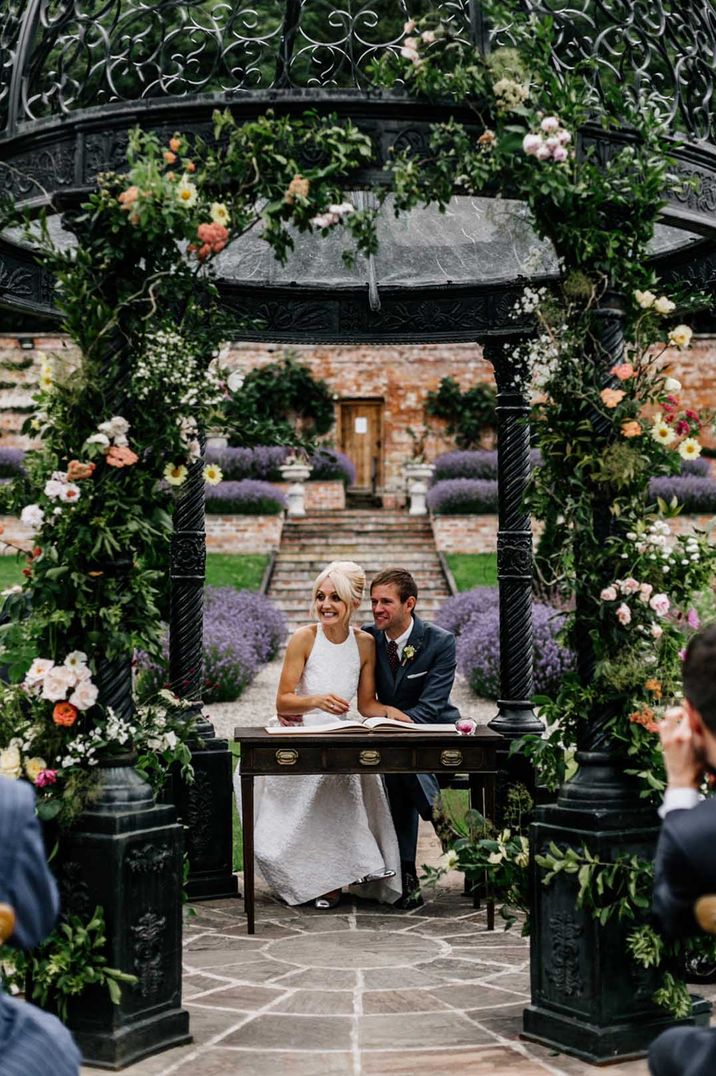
(329, 464)
(700, 467)
(262, 462)
(474, 617)
(247, 497)
(694, 494)
(463, 496)
(242, 631)
(11, 462)
(471, 465)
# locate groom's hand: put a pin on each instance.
(290, 719)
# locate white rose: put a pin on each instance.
(38, 670)
(98, 439)
(10, 763)
(235, 381)
(681, 336)
(672, 385)
(645, 299)
(32, 515)
(53, 488)
(662, 305)
(77, 657)
(84, 695)
(33, 766)
(58, 681)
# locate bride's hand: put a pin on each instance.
(332, 704)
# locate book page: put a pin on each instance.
(389, 724)
(316, 729)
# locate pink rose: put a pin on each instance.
(45, 777)
(624, 614)
(622, 371)
(645, 590)
(660, 604)
(692, 619)
(57, 683)
(609, 594)
(550, 124)
(559, 154)
(629, 586)
(657, 631)
(530, 144)
(84, 695)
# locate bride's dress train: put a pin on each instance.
(315, 834)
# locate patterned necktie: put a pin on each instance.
(393, 659)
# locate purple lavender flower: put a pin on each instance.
(261, 462)
(247, 497)
(329, 463)
(463, 496)
(471, 464)
(11, 463)
(693, 493)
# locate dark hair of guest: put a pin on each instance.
(401, 579)
(699, 674)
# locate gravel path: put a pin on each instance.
(257, 704)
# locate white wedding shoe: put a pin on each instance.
(377, 876)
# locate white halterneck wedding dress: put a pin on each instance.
(316, 834)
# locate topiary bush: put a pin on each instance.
(474, 617)
(285, 394)
(463, 496)
(242, 631)
(248, 497)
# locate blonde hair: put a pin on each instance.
(348, 579)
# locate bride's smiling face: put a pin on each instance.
(330, 607)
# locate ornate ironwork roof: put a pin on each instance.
(76, 74)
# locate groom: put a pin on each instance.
(415, 669)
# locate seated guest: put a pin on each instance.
(32, 1042)
(685, 867)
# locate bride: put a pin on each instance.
(313, 835)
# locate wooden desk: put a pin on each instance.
(282, 754)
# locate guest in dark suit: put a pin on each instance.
(414, 672)
(685, 866)
(32, 1042)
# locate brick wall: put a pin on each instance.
(321, 496)
(243, 534)
(478, 534)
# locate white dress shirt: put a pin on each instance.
(679, 799)
(403, 639)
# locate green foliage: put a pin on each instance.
(286, 394)
(69, 960)
(467, 414)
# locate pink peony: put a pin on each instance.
(609, 594)
(624, 614)
(45, 777)
(530, 144)
(559, 154)
(550, 124)
(692, 619)
(660, 604)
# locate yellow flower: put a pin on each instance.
(46, 379)
(681, 336)
(689, 449)
(186, 192)
(495, 857)
(662, 433)
(175, 474)
(10, 763)
(645, 299)
(213, 474)
(219, 214)
(33, 766)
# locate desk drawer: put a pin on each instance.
(448, 759)
(298, 759)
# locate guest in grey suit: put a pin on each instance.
(414, 672)
(32, 1042)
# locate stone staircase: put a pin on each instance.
(374, 538)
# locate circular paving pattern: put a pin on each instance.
(356, 949)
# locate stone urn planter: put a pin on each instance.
(417, 480)
(296, 474)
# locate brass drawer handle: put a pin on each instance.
(369, 758)
(286, 756)
(451, 758)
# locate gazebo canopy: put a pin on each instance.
(80, 73)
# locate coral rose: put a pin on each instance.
(127, 198)
(175, 144)
(623, 371)
(121, 456)
(213, 235)
(76, 470)
(631, 428)
(612, 397)
(169, 157)
(64, 714)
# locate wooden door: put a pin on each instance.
(361, 438)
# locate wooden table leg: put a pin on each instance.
(247, 818)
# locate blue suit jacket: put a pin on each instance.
(32, 1043)
(421, 687)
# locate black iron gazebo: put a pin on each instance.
(77, 74)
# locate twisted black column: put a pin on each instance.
(589, 998)
(204, 805)
(514, 550)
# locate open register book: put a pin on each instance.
(371, 724)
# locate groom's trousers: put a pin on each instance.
(410, 795)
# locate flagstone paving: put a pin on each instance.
(361, 991)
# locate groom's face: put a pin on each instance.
(390, 614)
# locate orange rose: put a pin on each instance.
(631, 428)
(127, 198)
(121, 456)
(623, 371)
(175, 144)
(169, 157)
(189, 166)
(612, 397)
(76, 470)
(64, 714)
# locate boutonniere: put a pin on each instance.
(409, 653)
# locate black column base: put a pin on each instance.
(118, 1049)
(603, 1045)
(205, 809)
(589, 998)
